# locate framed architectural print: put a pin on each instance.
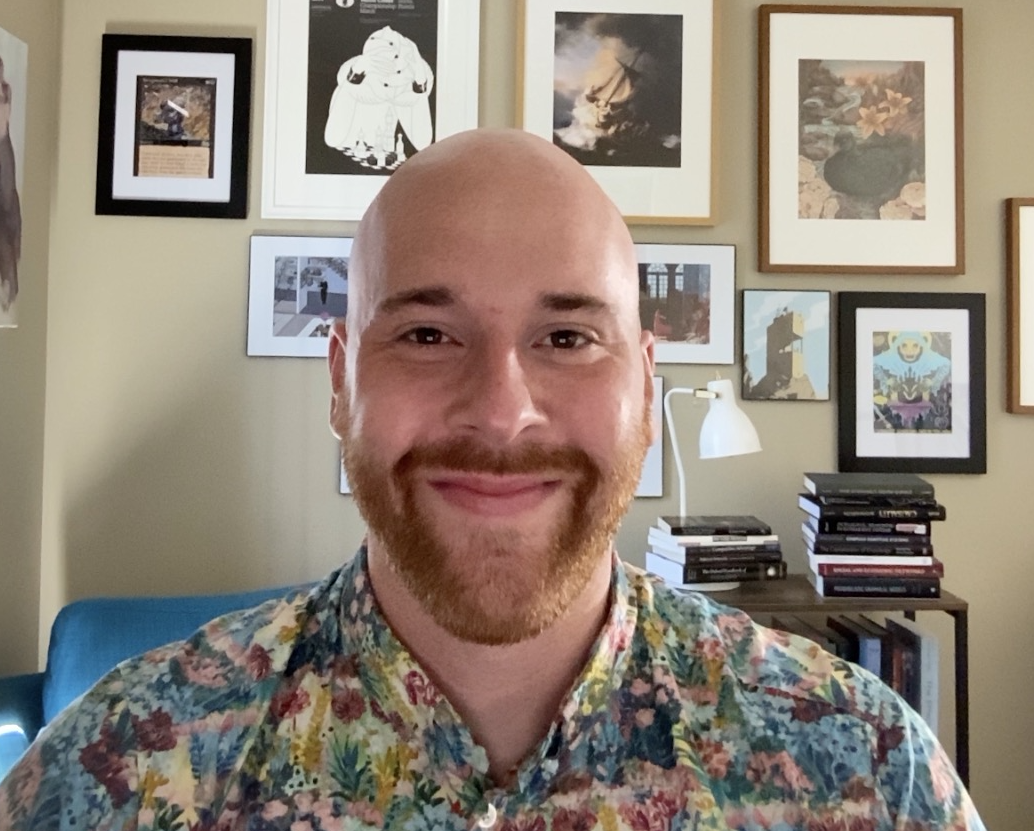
(298, 285)
(355, 88)
(785, 345)
(860, 163)
(1019, 259)
(912, 382)
(687, 298)
(627, 89)
(174, 126)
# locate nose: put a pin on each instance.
(499, 397)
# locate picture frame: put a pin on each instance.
(1019, 271)
(174, 126)
(687, 298)
(14, 88)
(628, 90)
(297, 286)
(860, 137)
(912, 391)
(326, 149)
(786, 345)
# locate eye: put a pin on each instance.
(567, 339)
(426, 336)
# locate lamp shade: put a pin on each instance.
(726, 431)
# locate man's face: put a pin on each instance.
(496, 412)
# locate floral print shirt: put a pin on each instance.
(307, 714)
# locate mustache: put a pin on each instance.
(468, 456)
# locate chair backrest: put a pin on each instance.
(89, 637)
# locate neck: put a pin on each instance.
(507, 695)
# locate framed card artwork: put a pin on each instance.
(785, 345)
(174, 126)
(687, 296)
(353, 88)
(627, 89)
(912, 382)
(860, 163)
(298, 285)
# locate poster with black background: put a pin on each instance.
(371, 84)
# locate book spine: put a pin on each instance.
(731, 558)
(917, 545)
(880, 503)
(704, 574)
(873, 512)
(844, 525)
(880, 587)
(862, 570)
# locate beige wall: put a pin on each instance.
(23, 350)
(175, 464)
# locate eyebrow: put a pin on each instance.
(432, 296)
(572, 302)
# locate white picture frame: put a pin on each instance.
(548, 70)
(298, 326)
(15, 56)
(289, 190)
(687, 298)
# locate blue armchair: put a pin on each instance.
(88, 638)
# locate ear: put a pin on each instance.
(646, 344)
(336, 363)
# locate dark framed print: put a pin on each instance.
(687, 298)
(627, 89)
(174, 126)
(353, 89)
(1019, 259)
(860, 162)
(912, 382)
(785, 345)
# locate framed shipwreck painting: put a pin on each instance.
(627, 89)
(687, 298)
(785, 345)
(860, 162)
(1019, 259)
(355, 88)
(297, 286)
(912, 382)
(174, 126)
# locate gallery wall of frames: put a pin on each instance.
(860, 170)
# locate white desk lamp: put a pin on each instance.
(726, 431)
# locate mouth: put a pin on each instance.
(488, 495)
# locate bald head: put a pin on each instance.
(483, 191)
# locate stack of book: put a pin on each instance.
(869, 534)
(712, 553)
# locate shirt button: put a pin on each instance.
(487, 820)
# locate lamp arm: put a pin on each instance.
(696, 393)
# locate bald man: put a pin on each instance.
(487, 660)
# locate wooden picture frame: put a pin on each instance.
(627, 89)
(297, 286)
(174, 126)
(785, 345)
(1019, 271)
(687, 298)
(912, 373)
(327, 151)
(860, 160)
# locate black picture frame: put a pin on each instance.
(174, 126)
(919, 410)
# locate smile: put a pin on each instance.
(494, 496)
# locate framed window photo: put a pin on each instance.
(785, 345)
(355, 88)
(912, 382)
(860, 163)
(687, 299)
(627, 89)
(174, 126)
(1019, 259)
(298, 285)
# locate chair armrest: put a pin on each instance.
(21, 716)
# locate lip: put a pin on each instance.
(494, 496)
